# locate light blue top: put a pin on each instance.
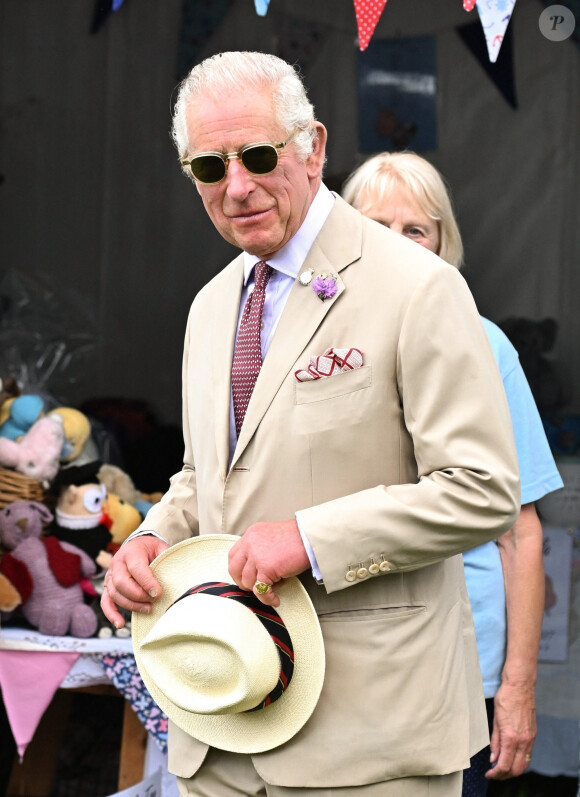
(539, 476)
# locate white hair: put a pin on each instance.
(229, 72)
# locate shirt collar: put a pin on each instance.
(291, 256)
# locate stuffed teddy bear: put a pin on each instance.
(533, 340)
(45, 571)
(23, 411)
(120, 483)
(37, 453)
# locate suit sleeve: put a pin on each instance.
(175, 517)
(456, 413)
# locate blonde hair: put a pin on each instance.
(229, 72)
(383, 173)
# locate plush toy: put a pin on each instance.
(533, 341)
(45, 572)
(125, 518)
(77, 430)
(9, 596)
(23, 411)
(9, 390)
(121, 484)
(81, 520)
(37, 453)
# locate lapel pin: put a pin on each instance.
(324, 286)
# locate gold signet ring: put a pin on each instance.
(261, 588)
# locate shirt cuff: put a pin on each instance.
(308, 548)
(142, 533)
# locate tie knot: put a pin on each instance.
(262, 272)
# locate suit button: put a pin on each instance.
(350, 575)
(374, 569)
(362, 572)
(384, 566)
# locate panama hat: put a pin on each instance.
(227, 669)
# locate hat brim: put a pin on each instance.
(205, 558)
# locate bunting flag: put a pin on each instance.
(468, 5)
(500, 72)
(494, 16)
(368, 13)
(29, 680)
(261, 7)
(102, 10)
(199, 21)
(300, 41)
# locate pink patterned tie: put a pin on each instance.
(248, 352)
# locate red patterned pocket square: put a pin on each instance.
(333, 361)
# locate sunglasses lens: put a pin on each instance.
(208, 168)
(261, 159)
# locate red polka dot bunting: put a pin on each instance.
(469, 4)
(368, 13)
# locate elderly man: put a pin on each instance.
(344, 416)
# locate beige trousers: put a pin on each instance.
(224, 774)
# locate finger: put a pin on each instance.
(111, 612)
(249, 576)
(138, 558)
(236, 562)
(125, 599)
(143, 580)
(266, 596)
(503, 766)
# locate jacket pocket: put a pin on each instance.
(328, 387)
(390, 612)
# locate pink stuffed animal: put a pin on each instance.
(45, 572)
(37, 453)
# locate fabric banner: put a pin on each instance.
(123, 673)
(198, 24)
(300, 41)
(29, 680)
(368, 13)
(102, 10)
(494, 16)
(501, 72)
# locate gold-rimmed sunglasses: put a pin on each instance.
(210, 168)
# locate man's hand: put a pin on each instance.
(514, 731)
(268, 552)
(129, 582)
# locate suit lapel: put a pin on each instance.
(337, 246)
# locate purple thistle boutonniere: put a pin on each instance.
(324, 286)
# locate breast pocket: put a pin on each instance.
(333, 402)
(330, 387)
(341, 416)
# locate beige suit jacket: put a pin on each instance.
(409, 459)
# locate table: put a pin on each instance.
(94, 666)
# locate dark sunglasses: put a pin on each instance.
(210, 168)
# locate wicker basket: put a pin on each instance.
(17, 487)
